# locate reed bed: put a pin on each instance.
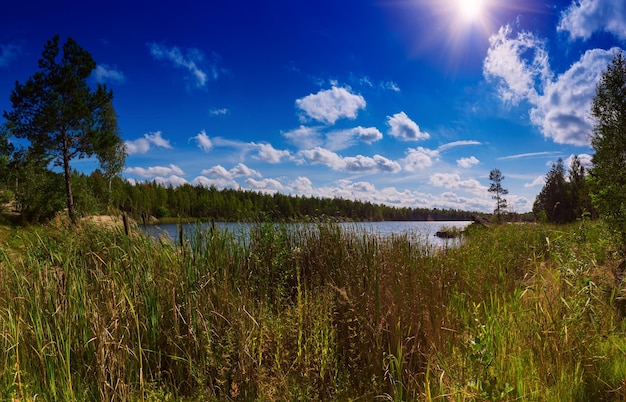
(517, 312)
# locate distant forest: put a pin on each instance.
(145, 200)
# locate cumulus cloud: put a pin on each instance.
(359, 163)
(467, 163)
(518, 63)
(104, 73)
(172, 180)
(155, 171)
(562, 112)
(218, 183)
(302, 185)
(240, 170)
(584, 17)
(143, 145)
(342, 139)
(377, 163)
(559, 106)
(203, 140)
(192, 60)
(8, 53)
(267, 185)
(328, 106)
(322, 156)
(454, 181)
(419, 159)
(304, 137)
(269, 154)
(405, 129)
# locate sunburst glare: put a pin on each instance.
(470, 10)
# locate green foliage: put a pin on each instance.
(561, 200)
(40, 193)
(496, 177)
(608, 176)
(60, 115)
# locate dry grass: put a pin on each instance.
(518, 312)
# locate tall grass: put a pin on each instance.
(527, 312)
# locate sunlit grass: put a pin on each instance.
(527, 312)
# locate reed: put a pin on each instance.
(310, 313)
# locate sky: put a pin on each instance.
(409, 103)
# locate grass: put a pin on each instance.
(518, 312)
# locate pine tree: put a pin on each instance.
(59, 114)
(496, 178)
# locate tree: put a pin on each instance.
(6, 149)
(608, 175)
(59, 114)
(581, 200)
(554, 199)
(496, 177)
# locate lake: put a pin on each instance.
(420, 231)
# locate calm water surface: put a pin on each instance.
(419, 231)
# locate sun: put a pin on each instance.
(470, 10)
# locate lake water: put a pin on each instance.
(422, 232)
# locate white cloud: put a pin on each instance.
(240, 170)
(562, 112)
(378, 163)
(342, 139)
(302, 185)
(172, 180)
(328, 106)
(467, 163)
(508, 62)
(559, 107)
(419, 159)
(218, 183)
(143, 145)
(304, 137)
(539, 181)
(219, 112)
(584, 17)
(455, 144)
(268, 185)
(402, 127)
(453, 181)
(585, 161)
(203, 140)
(269, 154)
(192, 61)
(390, 85)
(367, 135)
(527, 155)
(154, 171)
(104, 73)
(321, 156)
(8, 53)
(359, 163)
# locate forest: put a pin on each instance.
(39, 196)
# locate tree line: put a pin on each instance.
(39, 197)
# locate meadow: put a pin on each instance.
(517, 312)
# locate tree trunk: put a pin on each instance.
(68, 182)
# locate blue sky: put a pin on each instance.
(401, 102)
